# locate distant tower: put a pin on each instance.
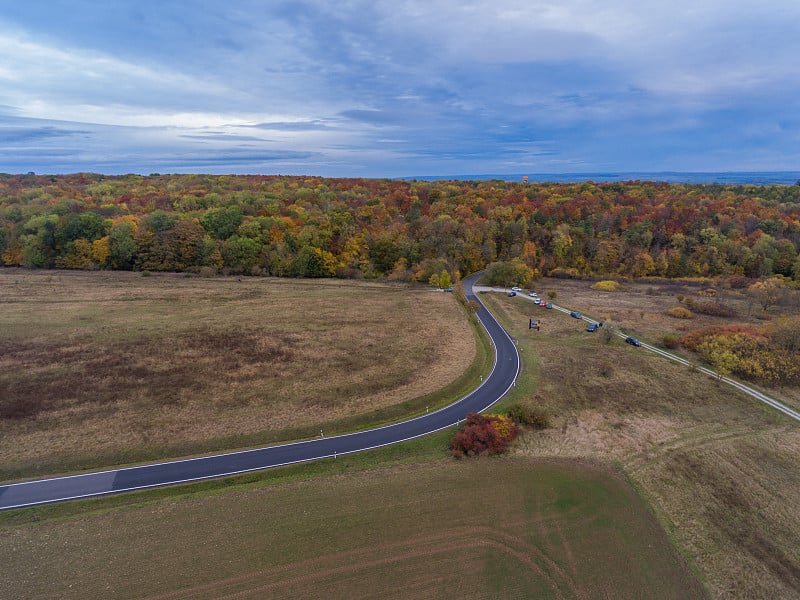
(524, 179)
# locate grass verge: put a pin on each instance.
(717, 467)
(414, 531)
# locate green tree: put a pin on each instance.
(384, 252)
(240, 254)
(314, 262)
(506, 273)
(158, 221)
(122, 247)
(86, 226)
(39, 242)
(222, 223)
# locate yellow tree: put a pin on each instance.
(101, 250)
(643, 264)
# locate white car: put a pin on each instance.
(533, 295)
(516, 289)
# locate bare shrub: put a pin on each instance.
(785, 334)
(474, 306)
(670, 341)
(714, 309)
(679, 312)
(740, 283)
(606, 369)
(607, 333)
(533, 415)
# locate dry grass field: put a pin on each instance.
(100, 368)
(640, 309)
(495, 528)
(719, 469)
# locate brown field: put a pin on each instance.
(497, 528)
(107, 367)
(640, 309)
(719, 469)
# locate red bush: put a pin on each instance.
(491, 434)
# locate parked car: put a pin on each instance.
(448, 289)
(512, 293)
(549, 305)
(516, 289)
(633, 341)
(575, 314)
(592, 327)
(542, 303)
(533, 295)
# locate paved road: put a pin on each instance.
(502, 377)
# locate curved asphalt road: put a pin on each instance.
(100, 483)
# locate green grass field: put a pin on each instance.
(718, 468)
(499, 528)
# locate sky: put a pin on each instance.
(399, 88)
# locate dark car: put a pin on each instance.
(633, 341)
(512, 293)
(549, 305)
(575, 314)
(592, 327)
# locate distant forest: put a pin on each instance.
(402, 230)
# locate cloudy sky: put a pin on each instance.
(399, 87)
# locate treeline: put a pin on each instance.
(408, 230)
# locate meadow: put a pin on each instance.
(718, 468)
(505, 528)
(104, 368)
(652, 478)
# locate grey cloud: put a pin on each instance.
(223, 137)
(12, 135)
(232, 157)
(315, 125)
(373, 117)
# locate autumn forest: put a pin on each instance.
(402, 230)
